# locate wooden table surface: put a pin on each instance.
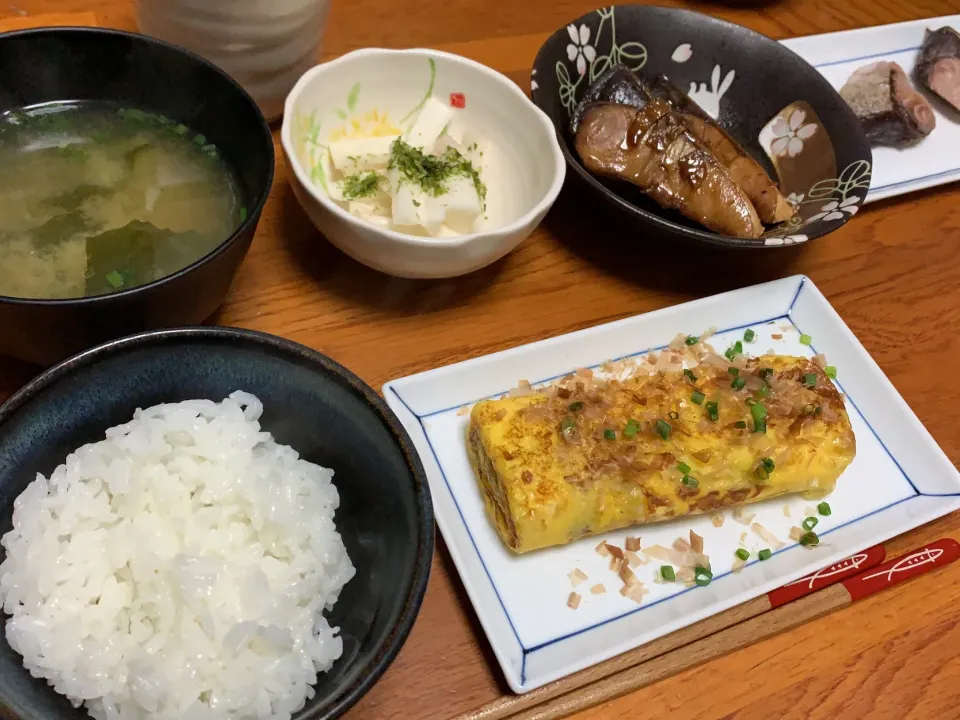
(893, 273)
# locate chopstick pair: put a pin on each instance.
(780, 610)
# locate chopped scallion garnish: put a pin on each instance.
(733, 371)
(809, 539)
(115, 279)
(749, 335)
(663, 429)
(824, 509)
(632, 428)
(768, 464)
(810, 380)
(575, 406)
(758, 412)
(667, 573)
(610, 434)
(765, 554)
(690, 482)
(683, 467)
(738, 383)
(689, 374)
(743, 553)
(738, 347)
(806, 339)
(810, 523)
(692, 340)
(567, 425)
(760, 427)
(702, 576)
(831, 371)
(763, 392)
(713, 411)
(697, 398)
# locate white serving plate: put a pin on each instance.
(899, 480)
(935, 160)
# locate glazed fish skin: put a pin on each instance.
(652, 149)
(541, 489)
(763, 192)
(938, 64)
(622, 86)
(891, 110)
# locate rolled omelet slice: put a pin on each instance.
(586, 457)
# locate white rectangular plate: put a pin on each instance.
(900, 479)
(935, 160)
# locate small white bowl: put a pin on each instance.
(374, 90)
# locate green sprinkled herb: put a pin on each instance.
(733, 371)
(749, 335)
(750, 402)
(768, 464)
(743, 553)
(818, 410)
(806, 339)
(738, 347)
(690, 482)
(200, 139)
(697, 397)
(810, 523)
(765, 554)
(692, 340)
(730, 354)
(758, 412)
(243, 214)
(738, 383)
(432, 173)
(824, 509)
(810, 380)
(576, 406)
(809, 539)
(683, 467)
(667, 573)
(631, 429)
(702, 576)
(610, 434)
(689, 374)
(567, 426)
(763, 392)
(663, 429)
(831, 372)
(713, 411)
(115, 279)
(362, 184)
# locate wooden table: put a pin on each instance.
(893, 273)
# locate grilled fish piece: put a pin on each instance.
(891, 110)
(652, 149)
(769, 203)
(589, 457)
(938, 64)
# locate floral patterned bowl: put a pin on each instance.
(779, 108)
(375, 92)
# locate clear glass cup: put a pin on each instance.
(266, 45)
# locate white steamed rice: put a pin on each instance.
(178, 569)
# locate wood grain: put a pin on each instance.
(892, 273)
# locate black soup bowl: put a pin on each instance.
(76, 64)
(321, 409)
(779, 108)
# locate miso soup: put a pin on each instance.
(96, 198)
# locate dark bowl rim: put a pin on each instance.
(638, 212)
(254, 211)
(394, 640)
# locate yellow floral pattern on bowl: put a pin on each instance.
(375, 123)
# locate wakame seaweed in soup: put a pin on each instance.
(96, 198)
